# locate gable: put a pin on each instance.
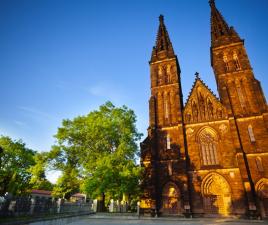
(203, 105)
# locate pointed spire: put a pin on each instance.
(197, 75)
(221, 33)
(163, 46)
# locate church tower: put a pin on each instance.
(241, 93)
(166, 94)
(163, 151)
(209, 156)
(233, 71)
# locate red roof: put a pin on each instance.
(78, 195)
(41, 192)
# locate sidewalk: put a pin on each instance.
(134, 216)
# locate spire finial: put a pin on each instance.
(196, 75)
(161, 19)
(211, 3)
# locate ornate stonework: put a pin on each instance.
(202, 104)
(210, 155)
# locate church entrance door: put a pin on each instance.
(262, 190)
(171, 200)
(216, 195)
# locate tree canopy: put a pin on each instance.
(38, 172)
(97, 152)
(15, 161)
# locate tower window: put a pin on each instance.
(225, 59)
(166, 109)
(168, 142)
(166, 106)
(241, 97)
(160, 75)
(251, 134)
(259, 164)
(160, 70)
(168, 74)
(236, 61)
(170, 168)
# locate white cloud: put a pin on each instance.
(20, 123)
(107, 92)
(35, 112)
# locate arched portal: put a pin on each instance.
(216, 195)
(262, 191)
(171, 203)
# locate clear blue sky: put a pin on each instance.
(61, 58)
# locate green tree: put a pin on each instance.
(113, 177)
(102, 147)
(38, 179)
(15, 161)
(67, 184)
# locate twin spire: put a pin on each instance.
(163, 46)
(221, 34)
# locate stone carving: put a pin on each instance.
(188, 118)
(202, 105)
(195, 112)
(223, 128)
(190, 131)
(210, 108)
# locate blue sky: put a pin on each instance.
(61, 58)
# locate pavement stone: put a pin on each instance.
(132, 220)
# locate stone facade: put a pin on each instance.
(208, 156)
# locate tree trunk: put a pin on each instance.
(103, 202)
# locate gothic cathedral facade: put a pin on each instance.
(208, 156)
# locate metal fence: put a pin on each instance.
(27, 205)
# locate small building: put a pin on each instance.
(78, 197)
(41, 193)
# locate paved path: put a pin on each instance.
(93, 220)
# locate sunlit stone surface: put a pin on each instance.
(209, 156)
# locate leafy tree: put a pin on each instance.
(15, 161)
(102, 147)
(114, 177)
(67, 184)
(38, 179)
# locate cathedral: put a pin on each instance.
(209, 155)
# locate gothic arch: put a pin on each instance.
(216, 194)
(171, 199)
(208, 141)
(261, 188)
